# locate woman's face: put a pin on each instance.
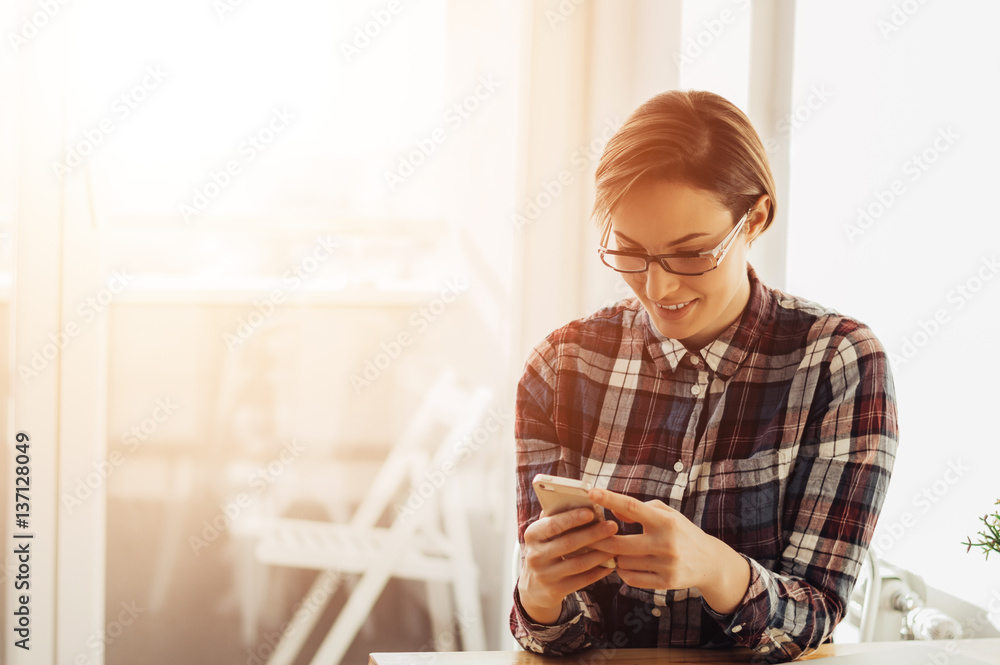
(664, 217)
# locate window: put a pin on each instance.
(272, 228)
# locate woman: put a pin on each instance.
(741, 437)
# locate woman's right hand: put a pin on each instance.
(546, 577)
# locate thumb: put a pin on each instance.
(623, 518)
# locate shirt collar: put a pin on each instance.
(727, 352)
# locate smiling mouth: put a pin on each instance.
(673, 308)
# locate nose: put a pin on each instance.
(660, 284)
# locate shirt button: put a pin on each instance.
(737, 628)
(656, 612)
(694, 360)
(695, 390)
(678, 466)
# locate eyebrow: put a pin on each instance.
(680, 241)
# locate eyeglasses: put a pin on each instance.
(681, 263)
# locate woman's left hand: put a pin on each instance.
(672, 552)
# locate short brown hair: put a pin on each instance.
(696, 138)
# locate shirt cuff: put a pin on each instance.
(570, 609)
(545, 638)
(747, 624)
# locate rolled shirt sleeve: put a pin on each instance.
(538, 452)
(835, 494)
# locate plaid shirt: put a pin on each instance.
(778, 438)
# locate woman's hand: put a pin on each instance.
(673, 553)
(546, 576)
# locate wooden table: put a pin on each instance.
(986, 649)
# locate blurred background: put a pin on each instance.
(248, 249)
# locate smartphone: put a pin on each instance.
(558, 494)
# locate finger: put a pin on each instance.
(633, 545)
(575, 563)
(638, 564)
(642, 579)
(547, 528)
(659, 505)
(569, 542)
(584, 579)
(623, 518)
(541, 555)
(624, 507)
(563, 576)
(655, 503)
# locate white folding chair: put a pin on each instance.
(430, 543)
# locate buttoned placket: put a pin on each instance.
(690, 370)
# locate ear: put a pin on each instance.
(758, 216)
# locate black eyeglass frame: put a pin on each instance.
(717, 254)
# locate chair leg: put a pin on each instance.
(304, 620)
(440, 608)
(470, 615)
(353, 615)
(252, 580)
(171, 533)
(465, 577)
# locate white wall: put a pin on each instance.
(886, 87)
